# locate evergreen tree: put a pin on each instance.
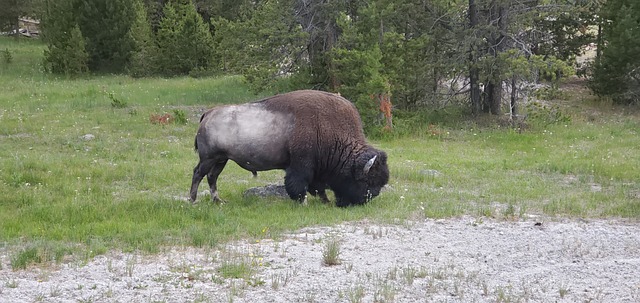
(144, 48)
(227, 9)
(65, 52)
(263, 46)
(105, 25)
(616, 72)
(183, 39)
(503, 40)
(356, 64)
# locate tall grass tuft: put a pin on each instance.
(331, 252)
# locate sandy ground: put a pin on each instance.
(453, 260)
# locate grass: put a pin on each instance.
(65, 192)
(239, 269)
(331, 252)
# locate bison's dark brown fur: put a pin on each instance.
(316, 137)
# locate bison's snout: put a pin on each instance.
(356, 197)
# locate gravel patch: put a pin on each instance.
(453, 260)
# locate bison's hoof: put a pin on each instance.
(216, 198)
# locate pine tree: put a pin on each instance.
(144, 49)
(183, 39)
(357, 65)
(105, 24)
(264, 45)
(76, 55)
(617, 72)
(65, 52)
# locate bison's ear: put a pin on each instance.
(369, 164)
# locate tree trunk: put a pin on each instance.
(599, 43)
(514, 94)
(494, 83)
(434, 84)
(494, 97)
(474, 75)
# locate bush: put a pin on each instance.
(67, 55)
(6, 56)
(115, 102)
(538, 113)
(179, 116)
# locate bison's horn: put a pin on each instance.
(369, 164)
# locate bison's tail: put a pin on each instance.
(195, 142)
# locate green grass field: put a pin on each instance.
(62, 193)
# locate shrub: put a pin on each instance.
(115, 102)
(68, 55)
(539, 113)
(6, 56)
(179, 116)
(161, 119)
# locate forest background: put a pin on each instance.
(481, 56)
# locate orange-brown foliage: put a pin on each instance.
(161, 119)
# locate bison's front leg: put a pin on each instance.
(318, 189)
(296, 182)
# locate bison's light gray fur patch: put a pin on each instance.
(250, 135)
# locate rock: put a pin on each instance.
(430, 172)
(272, 190)
(88, 137)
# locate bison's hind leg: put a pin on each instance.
(212, 179)
(198, 173)
(204, 168)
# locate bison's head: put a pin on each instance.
(369, 173)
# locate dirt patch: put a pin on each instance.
(454, 260)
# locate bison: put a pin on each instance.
(315, 136)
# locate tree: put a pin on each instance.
(616, 73)
(263, 46)
(65, 53)
(474, 73)
(563, 30)
(357, 63)
(154, 12)
(144, 48)
(228, 9)
(105, 25)
(183, 40)
(504, 35)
